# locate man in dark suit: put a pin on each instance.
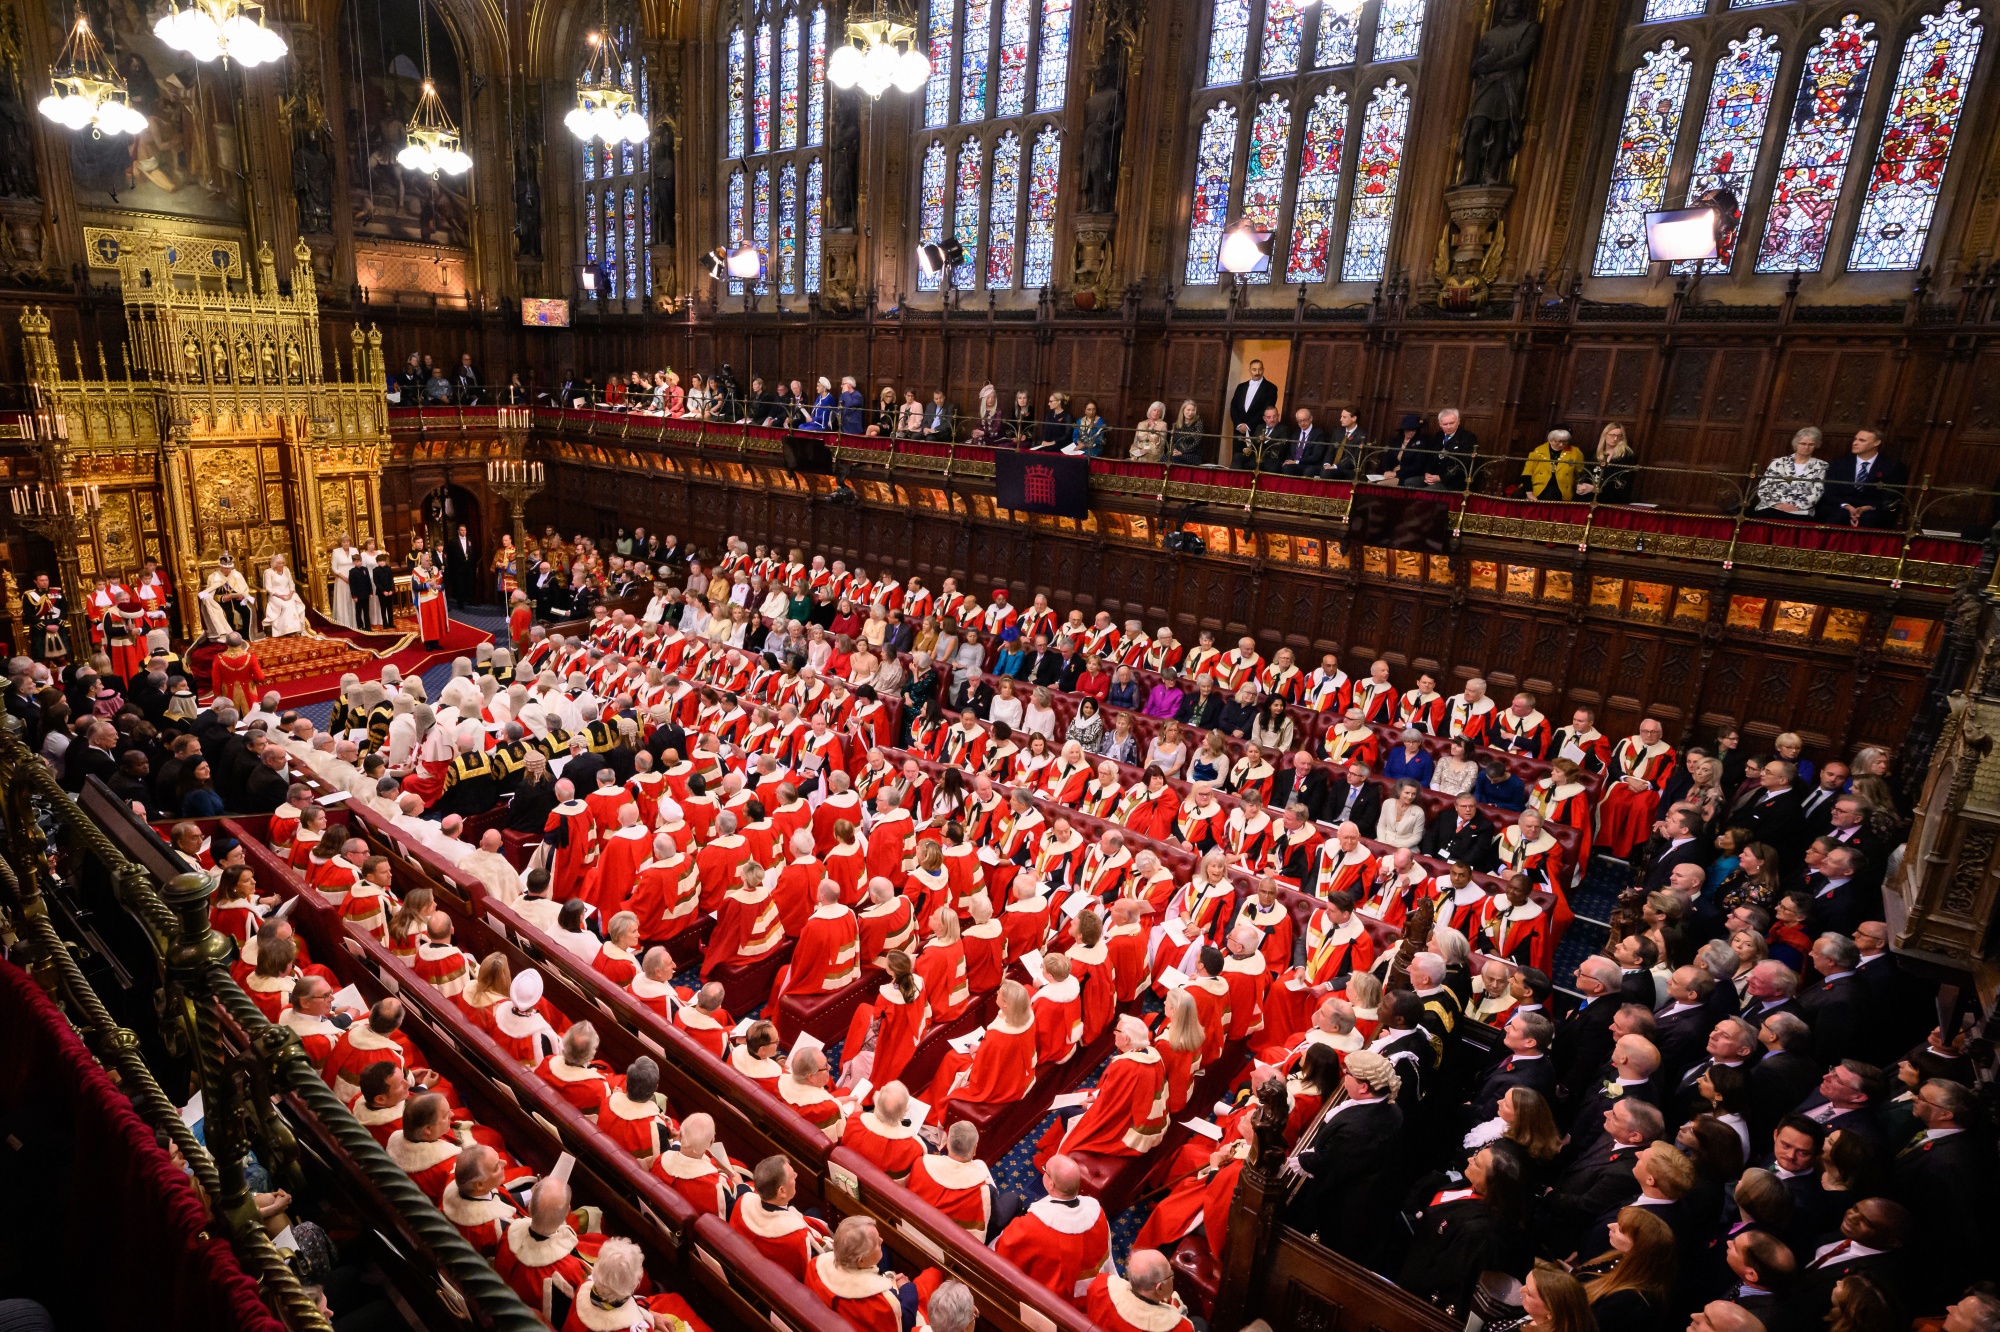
(1304, 450)
(1945, 1176)
(1264, 448)
(269, 783)
(1731, 1043)
(1462, 835)
(1840, 897)
(1352, 798)
(1764, 1267)
(1832, 1000)
(1350, 1160)
(1451, 454)
(1664, 1175)
(1785, 1075)
(90, 755)
(1527, 1064)
(1249, 401)
(1594, 1184)
(1346, 450)
(1303, 782)
(1864, 489)
(1039, 664)
(973, 692)
(1683, 1025)
(460, 559)
(1583, 1036)
(1847, 1098)
(1636, 956)
(1816, 802)
(1769, 990)
(1870, 1244)
(940, 419)
(1635, 1062)
(1896, 1008)
(385, 591)
(1775, 811)
(1070, 668)
(1682, 848)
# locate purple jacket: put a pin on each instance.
(1163, 701)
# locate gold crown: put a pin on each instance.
(33, 321)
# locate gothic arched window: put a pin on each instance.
(1302, 133)
(1819, 157)
(1004, 61)
(774, 116)
(616, 184)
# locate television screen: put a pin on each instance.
(544, 313)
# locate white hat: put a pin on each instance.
(526, 991)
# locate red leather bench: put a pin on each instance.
(825, 1015)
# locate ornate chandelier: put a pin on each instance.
(880, 52)
(220, 30)
(604, 109)
(431, 140)
(85, 90)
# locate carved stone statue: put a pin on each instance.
(528, 201)
(312, 180)
(843, 179)
(1493, 120)
(664, 227)
(1103, 131)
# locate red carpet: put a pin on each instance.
(306, 668)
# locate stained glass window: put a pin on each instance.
(1646, 139)
(1753, 4)
(814, 217)
(1339, 39)
(760, 118)
(1813, 167)
(1672, 9)
(1012, 98)
(1916, 141)
(1002, 212)
(816, 82)
(760, 228)
(930, 210)
(646, 201)
(788, 85)
(1052, 61)
(1214, 160)
(625, 149)
(1038, 261)
(1228, 40)
(1311, 250)
(972, 70)
(736, 220)
(1264, 172)
(788, 229)
(937, 92)
(1284, 33)
(965, 215)
(1377, 167)
(1399, 31)
(611, 243)
(736, 84)
(590, 226)
(632, 260)
(1732, 127)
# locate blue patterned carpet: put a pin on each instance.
(434, 679)
(1592, 902)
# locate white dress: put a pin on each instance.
(284, 609)
(342, 562)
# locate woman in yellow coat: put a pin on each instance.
(1550, 470)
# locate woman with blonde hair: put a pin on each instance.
(1551, 1301)
(1211, 761)
(1628, 1284)
(1189, 437)
(1167, 750)
(1401, 822)
(1149, 437)
(1550, 469)
(1364, 996)
(1180, 1047)
(489, 987)
(1608, 477)
(987, 424)
(1039, 716)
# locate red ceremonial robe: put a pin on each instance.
(941, 967)
(573, 834)
(709, 1030)
(698, 1179)
(483, 1221)
(999, 1071)
(1113, 1307)
(866, 1299)
(902, 1024)
(584, 1088)
(962, 1190)
(746, 929)
(826, 957)
(1060, 1245)
(541, 1269)
(895, 1148)
(1128, 1117)
(610, 881)
(1058, 1008)
(985, 947)
(637, 1126)
(890, 925)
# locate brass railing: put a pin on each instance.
(205, 1005)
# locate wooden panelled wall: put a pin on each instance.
(1627, 637)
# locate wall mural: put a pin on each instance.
(186, 162)
(381, 61)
